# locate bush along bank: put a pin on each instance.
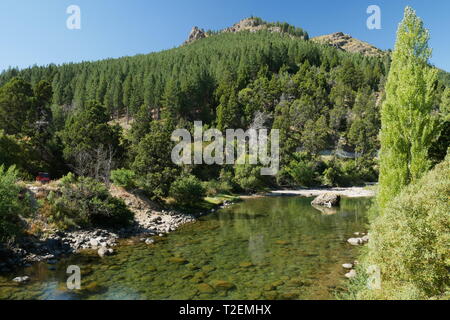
(409, 243)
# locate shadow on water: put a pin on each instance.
(265, 248)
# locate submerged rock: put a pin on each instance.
(223, 285)
(246, 264)
(289, 295)
(178, 260)
(282, 242)
(327, 200)
(347, 266)
(205, 288)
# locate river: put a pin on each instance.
(262, 248)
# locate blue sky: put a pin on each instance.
(35, 32)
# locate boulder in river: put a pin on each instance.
(328, 200)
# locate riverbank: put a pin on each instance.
(50, 244)
(349, 192)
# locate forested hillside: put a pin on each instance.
(322, 99)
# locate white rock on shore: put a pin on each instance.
(102, 252)
(355, 241)
(351, 274)
(21, 279)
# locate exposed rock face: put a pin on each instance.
(248, 24)
(149, 218)
(347, 43)
(327, 200)
(196, 34)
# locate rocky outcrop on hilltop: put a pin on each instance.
(195, 34)
(249, 24)
(347, 43)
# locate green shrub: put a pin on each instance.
(84, 202)
(215, 187)
(10, 204)
(157, 184)
(248, 177)
(226, 178)
(187, 190)
(410, 240)
(333, 175)
(123, 178)
(302, 171)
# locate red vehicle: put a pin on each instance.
(43, 177)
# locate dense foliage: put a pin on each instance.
(91, 145)
(124, 178)
(187, 190)
(410, 236)
(11, 206)
(84, 202)
(410, 241)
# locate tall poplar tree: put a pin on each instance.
(408, 125)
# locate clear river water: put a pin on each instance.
(261, 248)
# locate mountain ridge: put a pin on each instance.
(347, 43)
(338, 40)
(251, 24)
